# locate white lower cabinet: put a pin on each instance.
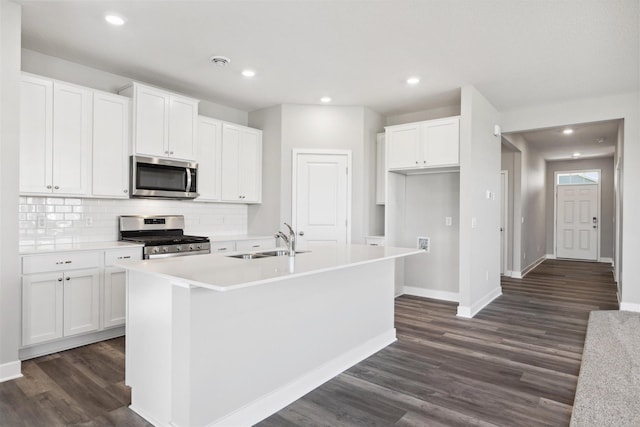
(60, 304)
(73, 293)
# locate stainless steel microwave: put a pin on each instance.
(163, 178)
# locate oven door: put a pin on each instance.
(163, 178)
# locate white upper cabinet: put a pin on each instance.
(381, 170)
(429, 144)
(164, 124)
(36, 135)
(110, 146)
(209, 158)
(241, 164)
(55, 140)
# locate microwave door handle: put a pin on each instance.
(188, 189)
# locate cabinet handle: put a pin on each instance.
(59, 279)
(63, 262)
(255, 246)
(124, 257)
(373, 244)
(416, 162)
(56, 187)
(67, 278)
(48, 187)
(171, 152)
(222, 249)
(126, 191)
(424, 161)
(166, 152)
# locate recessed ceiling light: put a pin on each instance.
(114, 20)
(325, 99)
(248, 73)
(576, 154)
(413, 80)
(568, 131)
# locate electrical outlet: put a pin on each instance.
(488, 194)
(447, 221)
(88, 221)
(424, 243)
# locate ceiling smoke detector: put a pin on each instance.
(219, 60)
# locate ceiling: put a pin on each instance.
(589, 139)
(358, 52)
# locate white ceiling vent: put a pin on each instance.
(219, 60)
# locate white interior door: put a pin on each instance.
(504, 206)
(577, 222)
(321, 197)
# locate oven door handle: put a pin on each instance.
(188, 189)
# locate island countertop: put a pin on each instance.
(224, 273)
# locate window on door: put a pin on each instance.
(573, 178)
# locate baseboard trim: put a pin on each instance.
(38, 350)
(606, 259)
(627, 306)
(550, 256)
(269, 404)
(10, 371)
(470, 311)
(521, 274)
(430, 293)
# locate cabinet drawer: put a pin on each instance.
(60, 261)
(254, 244)
(374, 241)
(226, 246)
(112, 256)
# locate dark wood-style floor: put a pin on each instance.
(515, 364)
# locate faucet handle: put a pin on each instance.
(290, 228)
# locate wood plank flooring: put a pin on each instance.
(515, 364)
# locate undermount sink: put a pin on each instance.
(256, 255)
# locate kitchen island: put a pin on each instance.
(217, 340)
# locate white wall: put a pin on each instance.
(10, 28)
(622, 106)
(532, 221)
(429, 199)
(264, 219)
(56, 68)
(418, 116)
(479, 173)
(76, 220)
(606, 221)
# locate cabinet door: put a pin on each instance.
(231, 136)
(183, 114)
(381, 171)
(36, 135)
(71, 139)
(209, 158)
(81, 301)
(115, 296)
(151, 122)
(110, 146)
(41, 307)
(440, 143)
(402, 146)
(250, 166)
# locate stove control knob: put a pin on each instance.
(199, 246)
(156, 250)
(178, 248)
(191, 247)
(165, 249)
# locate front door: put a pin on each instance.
(321, 197)
(577, 222)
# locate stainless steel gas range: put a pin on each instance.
(162, 236)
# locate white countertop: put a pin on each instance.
(74, 247)
(223, 273)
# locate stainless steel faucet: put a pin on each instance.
(290, 240)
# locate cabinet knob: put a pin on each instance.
(59, 279)
(126, 191)
(416, 162)
(166, 152)
(301, 234)
(67, 278)
(48, 187)
(424, 161)
(56, 187)
(170, 152)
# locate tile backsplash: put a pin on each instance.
(60, 220)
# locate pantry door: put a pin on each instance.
(321, 196)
